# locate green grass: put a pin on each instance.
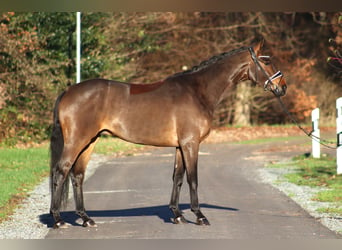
(21, 169)
(107, 145)
(317, 173)
(331, 210)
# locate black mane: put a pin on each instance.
(210, 61)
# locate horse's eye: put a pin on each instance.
(265, 59)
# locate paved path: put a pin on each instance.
(128, 198)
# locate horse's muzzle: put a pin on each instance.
(279, 91)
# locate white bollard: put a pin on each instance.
(339, 134)
(316, 146)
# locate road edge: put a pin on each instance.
(302, 195)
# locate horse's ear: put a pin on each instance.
(258, 47)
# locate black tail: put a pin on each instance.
(56, 149)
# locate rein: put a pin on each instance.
(309, 134)
(266, 87)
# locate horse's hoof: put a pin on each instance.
(89, 223)
(179, 220)
(60, 224)
(202, 221)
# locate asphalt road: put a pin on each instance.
(128, 198)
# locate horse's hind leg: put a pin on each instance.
(62, 165)
(178, 176)
(59, 183)
(57, 191)
(77, 178)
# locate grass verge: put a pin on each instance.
(21, 169)
(317, 173)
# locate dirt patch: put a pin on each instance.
(218, 135)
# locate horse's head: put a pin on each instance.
(262, 71)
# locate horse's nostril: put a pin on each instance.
(279, 91)
(284, 88)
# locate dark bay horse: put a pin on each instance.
(176, 112)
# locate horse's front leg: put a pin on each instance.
(178, 176)
(190, 156)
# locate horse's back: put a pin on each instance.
(95, 85)
(91, 91)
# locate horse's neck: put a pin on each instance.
(213, 83)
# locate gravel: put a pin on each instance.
(25, 222)
(302, 195)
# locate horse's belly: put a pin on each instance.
(148, 131)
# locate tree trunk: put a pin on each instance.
(242, 104)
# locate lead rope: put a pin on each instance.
(316, 138)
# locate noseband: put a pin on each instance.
(269, 80)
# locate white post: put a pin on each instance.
(316, 146)
(339, 134)
(78, 47)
